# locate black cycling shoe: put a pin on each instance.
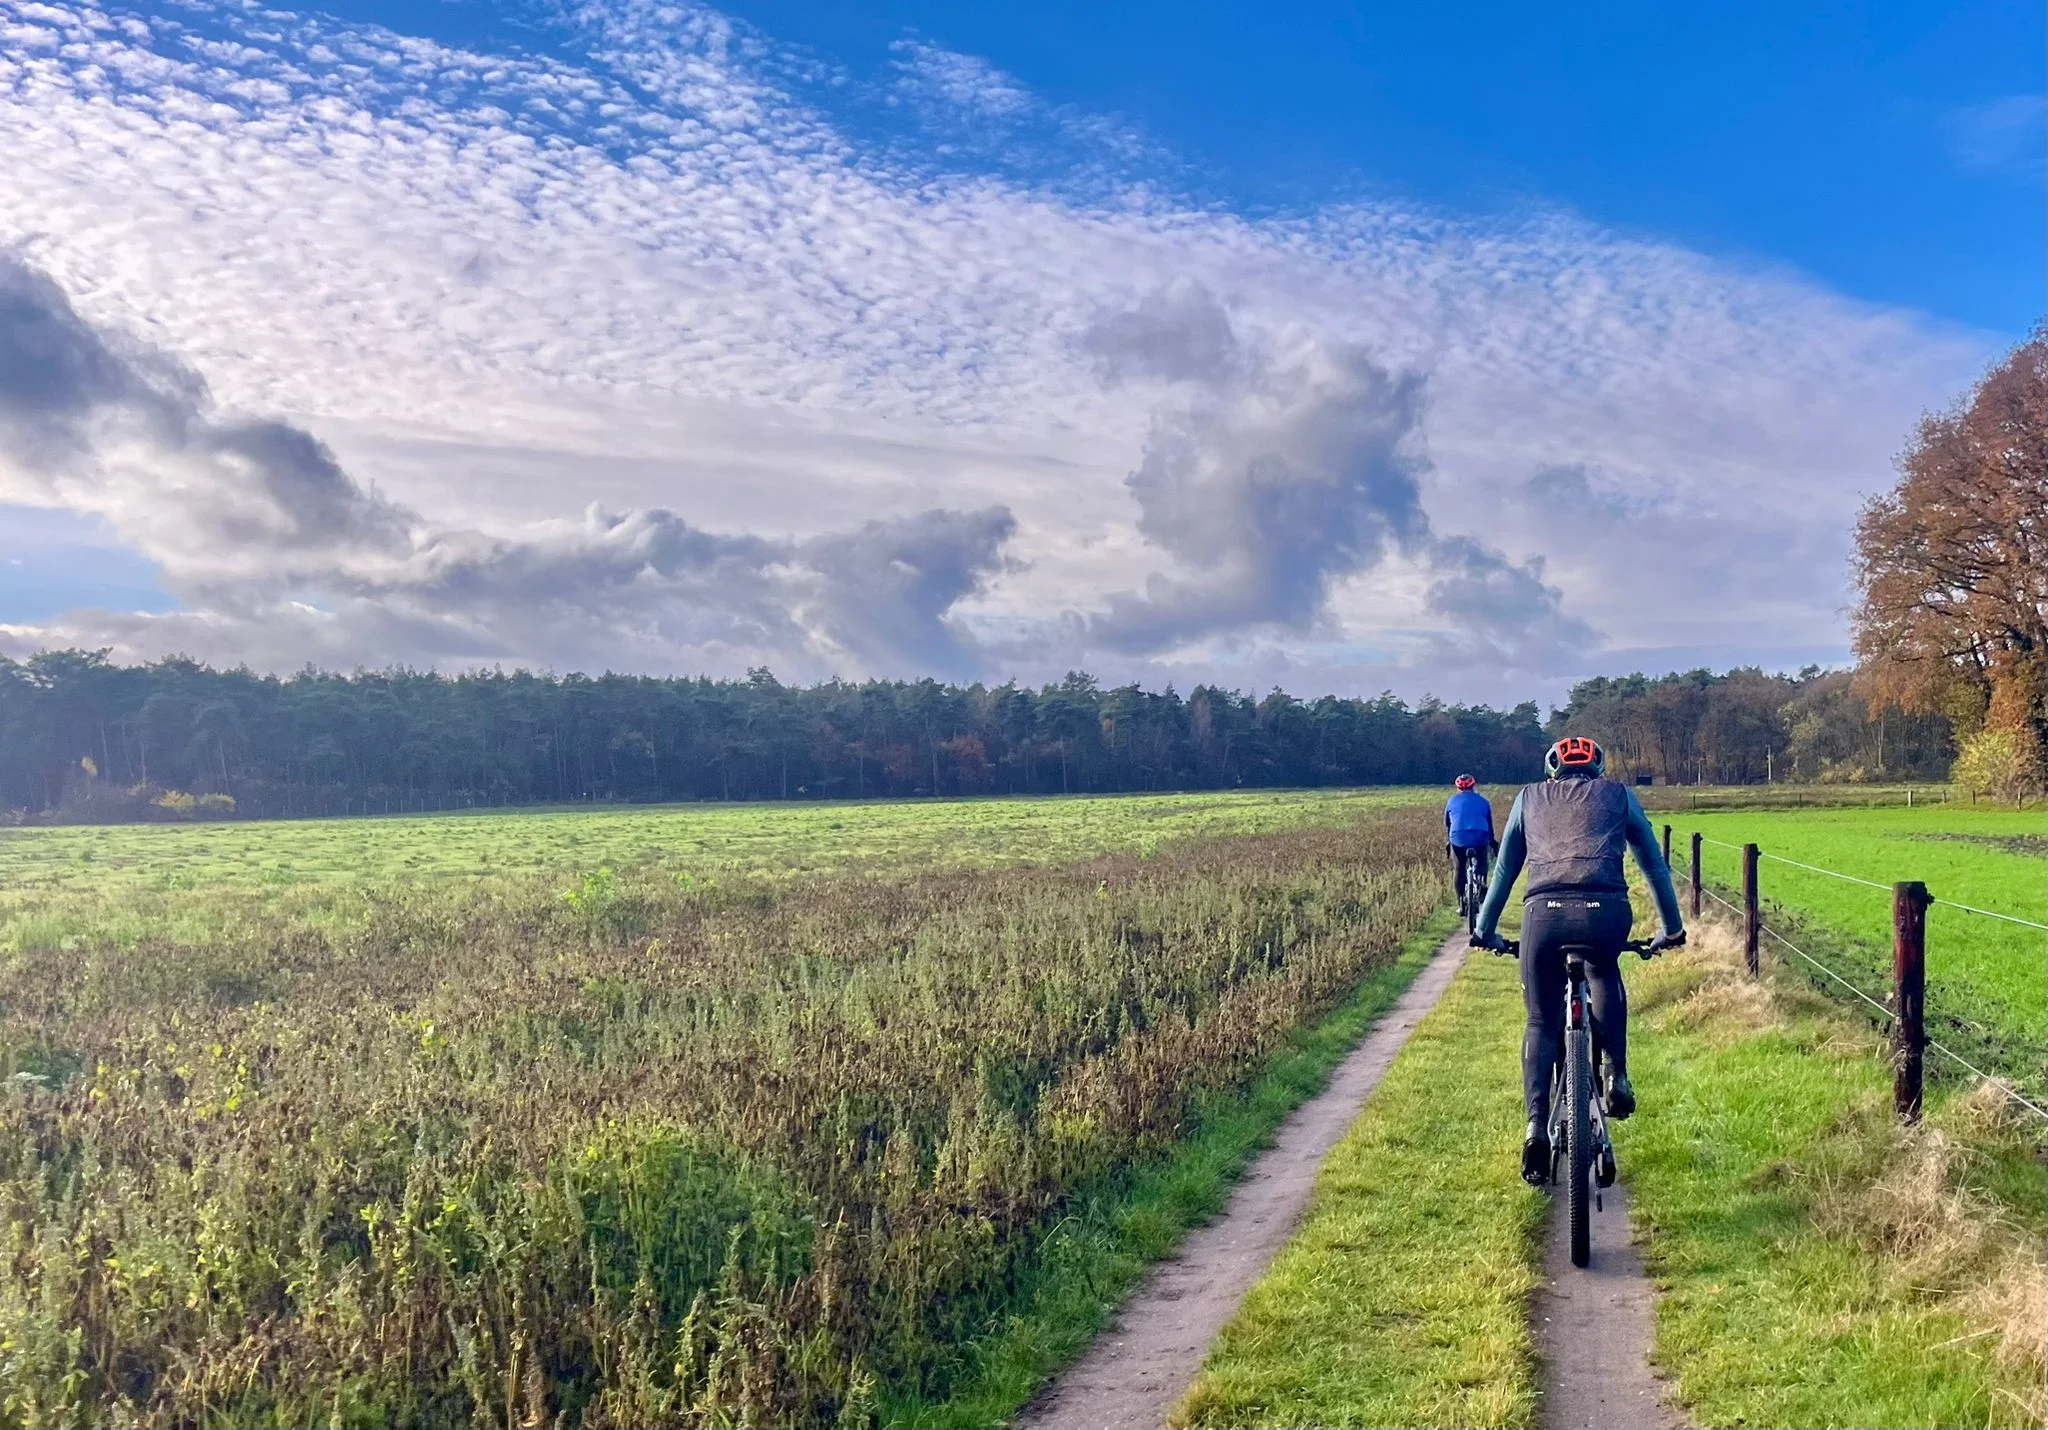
(1536, 1154)
(1621, 1097)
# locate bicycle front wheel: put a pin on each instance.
(1579, 1148)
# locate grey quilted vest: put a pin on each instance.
(1577, 831)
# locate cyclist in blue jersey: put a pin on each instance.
(1468, 829)
(1571, 831)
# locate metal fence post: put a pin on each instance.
(1696, 874)
(1752, 915)
(1667, 846)
(1909, 996)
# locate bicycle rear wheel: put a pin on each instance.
(1579, 1148)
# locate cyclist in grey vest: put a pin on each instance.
(1570, 831)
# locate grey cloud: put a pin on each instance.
(1269, 493)
(886, 588)
(1179, 333)
(1284, 476)
(74, 399)
(1501, 612)
(1567, 494)
(303, 497)
(282, 555)
(59, 376)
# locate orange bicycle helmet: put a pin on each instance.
(1467, 782)
(1575, 754)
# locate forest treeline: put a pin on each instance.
(1747, 727)
(84, 738)
(81, 736)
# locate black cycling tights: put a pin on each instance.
(1549, 922)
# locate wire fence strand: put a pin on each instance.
(1884, 1008)
(1989, 914)
(1873, 884)
(1989, 1081)
(1832, 874)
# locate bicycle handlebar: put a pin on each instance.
(1647, 947)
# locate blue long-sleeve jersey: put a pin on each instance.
(1514, 853)
(1468, 820)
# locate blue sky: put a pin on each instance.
(1462, 351)
(1892, 150)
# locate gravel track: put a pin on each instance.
(1594, 1328)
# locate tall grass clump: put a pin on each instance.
(637, 1154)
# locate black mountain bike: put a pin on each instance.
(1472, 888)
(1579, 1145)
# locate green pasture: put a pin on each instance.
(1987, 979)
(203, 883)
(700, 839)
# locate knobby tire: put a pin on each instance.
(1579, 1144)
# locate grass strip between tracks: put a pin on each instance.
(1404, 1299)
(1819, 1264)
(1098, 1252)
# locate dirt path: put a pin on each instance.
(1142, 1362)
(1593, 1330)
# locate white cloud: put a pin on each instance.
(2008, 135)
(967, 82)
(645, 273)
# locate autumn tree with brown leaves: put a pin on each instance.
(1953, 566)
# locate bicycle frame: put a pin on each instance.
(1472, 886)
(1578, 1018)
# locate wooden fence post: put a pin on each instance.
(1667, 846)
(1909, 996)
(1696, 874)
(1752, 916)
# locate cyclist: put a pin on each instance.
(1468, 829)
(1570, 831)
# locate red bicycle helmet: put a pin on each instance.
(1575, 754)
(1467, 782)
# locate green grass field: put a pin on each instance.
(1987, 980)
(866, 1111)
(209, 883)
(669, 1120)
(701, 839)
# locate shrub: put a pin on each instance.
(1997, 764)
